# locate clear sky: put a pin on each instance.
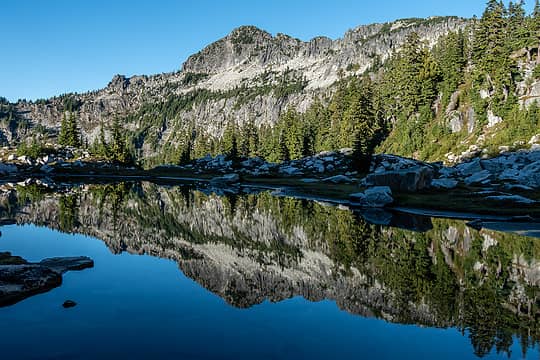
(52, 47)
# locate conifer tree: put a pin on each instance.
(118, 148)
(70, 134)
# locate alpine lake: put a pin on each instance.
(186, 272)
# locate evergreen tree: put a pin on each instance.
(118, 148)
(451, 60)
(230, 141)
(534, 29)
(70, 134)
(101, 147)
(518, 31)
(490, 52)
(294, 137)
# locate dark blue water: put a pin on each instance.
(137, 306)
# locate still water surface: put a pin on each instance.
(187, 275)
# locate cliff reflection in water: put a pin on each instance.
(256, 247)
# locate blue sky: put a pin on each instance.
(58, 46)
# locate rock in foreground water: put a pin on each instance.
(20, 279)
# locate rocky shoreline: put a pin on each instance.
(506, 182)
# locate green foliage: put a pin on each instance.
(34, 149)
(71, 103)
(70, 134)
(68, 217)
(115, 150)
(230, 142)
(193, 78)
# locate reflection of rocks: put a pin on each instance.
(375, 197)
(20, 279)
(243, 283)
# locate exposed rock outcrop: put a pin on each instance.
(20, 279)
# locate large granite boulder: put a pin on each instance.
(470, 168)
(530, 175)
(444, 183)
(404, 180)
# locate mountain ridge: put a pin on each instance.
(311, 67)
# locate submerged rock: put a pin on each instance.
(69, 304)
(66, 264)
(20, 279)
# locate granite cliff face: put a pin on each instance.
(240, 77)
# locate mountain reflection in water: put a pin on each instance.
(252, 248)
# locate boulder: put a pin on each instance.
(65, 264)
(290, 170)
(18, 282)
(480, 178)
(46, 169)
(444, 183)
(497, 165)
(69, 304)
(509, 174)
(493, 119)
(470, 168)
(446, 172)
(404, 180)
(252, 162)
(378, 197)
(530, 175)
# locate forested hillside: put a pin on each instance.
(475, 89)
(442, 89)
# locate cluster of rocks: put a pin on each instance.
(520, 170)
(478, 151)
(322, 163)
(326, 166)
(20, 279)
(496, 177)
